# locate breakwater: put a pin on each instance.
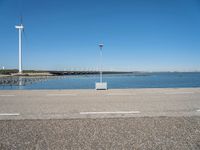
(20, 81)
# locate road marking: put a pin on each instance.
(6, 95)
(198, 110)
(9, 114)
(119, 94)
(178, 93)
(110, 112)
(61, 95)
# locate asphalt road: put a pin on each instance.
(89, 119)
(60, 104)
(144, 133)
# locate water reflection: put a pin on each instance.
(20, 81)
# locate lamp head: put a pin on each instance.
(101, 45)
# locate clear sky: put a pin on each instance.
(143, 35)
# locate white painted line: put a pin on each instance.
(198, 110)
(110, 112)
(9, 114)
(120, 94)
(61, 95)
(6, 95)
(178, 93)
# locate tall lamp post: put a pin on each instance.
(101, 47)
(101, 85)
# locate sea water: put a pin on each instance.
(115, 81)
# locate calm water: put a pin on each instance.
(150, 80)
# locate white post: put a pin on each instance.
(20, 28)
(101, 74)
(20, 51)
(101, 85)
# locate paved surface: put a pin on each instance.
(89, 119)
(97, 104)
(159, 133)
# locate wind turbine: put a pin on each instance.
(20, 28)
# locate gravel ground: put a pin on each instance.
(178, 133)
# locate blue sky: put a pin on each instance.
(143, 35)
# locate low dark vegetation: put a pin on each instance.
(58, 73)
(8, 72)
(11, 71)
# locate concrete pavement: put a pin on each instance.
(63, 104)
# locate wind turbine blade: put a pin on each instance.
(21, 20)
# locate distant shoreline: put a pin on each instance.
(10, 73)
(35, 73)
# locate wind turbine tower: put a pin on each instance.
(20, 28)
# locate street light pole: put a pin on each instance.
(101, 72)
(101, 85)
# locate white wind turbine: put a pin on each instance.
(20, 28)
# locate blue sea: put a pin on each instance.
(115, 81)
